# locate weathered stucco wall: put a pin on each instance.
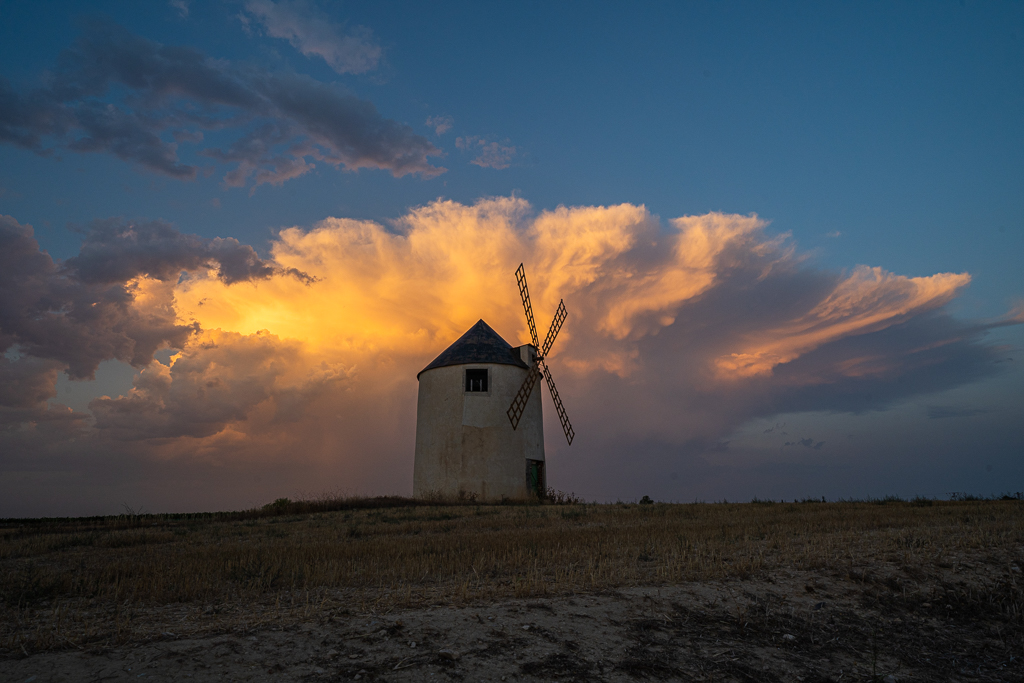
(464, 440)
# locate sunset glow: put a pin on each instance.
(230, 238)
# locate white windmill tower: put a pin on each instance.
(479, 426)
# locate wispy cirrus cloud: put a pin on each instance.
(117, 93)
(490, 153)
(441, 124)
(867, 300)
(182, 6)
(312, 32)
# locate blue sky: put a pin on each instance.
(880, 134)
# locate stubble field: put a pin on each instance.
(391, 590)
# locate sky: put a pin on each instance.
(788, 237)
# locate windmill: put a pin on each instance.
(468, 446)
(539, 367)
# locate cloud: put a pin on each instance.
(313, 33)
(317, 373)
(806, 443)
(50, 316)
(117, 93)
(942, 412)
(182, 6)
(441, 124)
(26, 386)
(218, 380)
(869, 299)
(490, 154)
(116, 251)
(115, 299)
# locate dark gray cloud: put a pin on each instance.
(107, 128)
(942, 412)
(74, 315)
(311, 32)
(174, 93)
(930, 353)
(79, 313)
(115, 251)
(26, 387)
(673, 396)
(806, 443)
(674, 400)
(52, 314)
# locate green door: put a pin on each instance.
(535, 478)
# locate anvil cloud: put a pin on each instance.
(679, 331)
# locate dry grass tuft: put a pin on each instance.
(82, 582)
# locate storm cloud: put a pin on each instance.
(114, 300)
(118, 93)
(52, 315)
(679, 332)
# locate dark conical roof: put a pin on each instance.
(480, 344)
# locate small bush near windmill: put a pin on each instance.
(279, 506)
(553, 497)
(466, 496)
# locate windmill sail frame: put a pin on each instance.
(515, 411)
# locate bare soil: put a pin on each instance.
(797, 627)
(834, 593)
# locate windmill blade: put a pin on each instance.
(515, 411)
(524, 292)
(556, 325)
(559, 408)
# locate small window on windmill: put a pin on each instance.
(476, 380)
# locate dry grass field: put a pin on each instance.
(758, 591)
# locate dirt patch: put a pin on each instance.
(725, 592)
(729, 631)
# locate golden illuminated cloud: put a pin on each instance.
(868, 300)
(403, 293)
(679, 331)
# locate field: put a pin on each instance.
(391, 590)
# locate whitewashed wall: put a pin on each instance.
(465, 442)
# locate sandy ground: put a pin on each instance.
(801, 629)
